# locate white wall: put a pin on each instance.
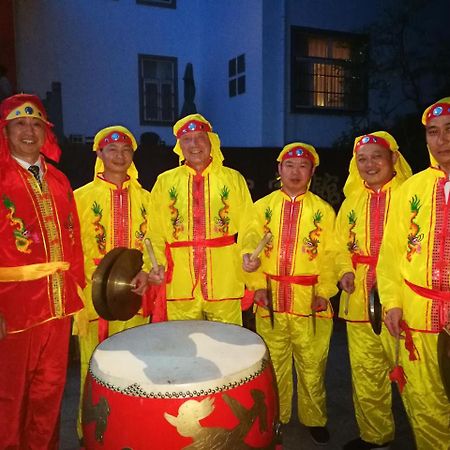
(92, 47)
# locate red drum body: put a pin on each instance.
(181, 385)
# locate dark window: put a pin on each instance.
(328, 71)
(236, 75)
(163, 3)
(158, 89)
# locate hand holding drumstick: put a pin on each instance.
(156, 275)
(251, 262)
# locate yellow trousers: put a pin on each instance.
(372, 358)
(87, 347)
(293, 341)
(226, 311)
(426, 402)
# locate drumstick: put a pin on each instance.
(151, 253)
(397, 350)
(266, 238)
(347, 300)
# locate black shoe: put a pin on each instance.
(319, 435)
(359, 444)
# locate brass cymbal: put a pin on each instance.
(374, 309)
(99, 282)
(443, 348)
(122, 303)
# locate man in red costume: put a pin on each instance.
(41, 272)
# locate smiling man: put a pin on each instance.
(376, 170)
(113, 210)
(40, 276)
(200, 211)
(414, 281)
(297, 267)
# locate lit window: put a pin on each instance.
(236, 75)
(158, 89)
(328, 71)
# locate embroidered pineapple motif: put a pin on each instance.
(311, 243)
(268, 217)
(352, 243)
(100, 231)
(222, 222)
(20, 232)
(176, 219)
(414, 237)
(138, 243)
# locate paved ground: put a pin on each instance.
(341, 424)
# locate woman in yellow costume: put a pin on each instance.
(113, 210)
(198, 232)
(296, 266)
(376, 171)
(414, 281)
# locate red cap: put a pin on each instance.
(371, 139)
(193, 125)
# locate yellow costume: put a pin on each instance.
(414, 274)
(359, 231)
(110, 217)
(298, 265)
(194, 235)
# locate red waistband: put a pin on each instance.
(442, 297)
(222, 241)
(364, 259)
(433, 294)
(303, 280)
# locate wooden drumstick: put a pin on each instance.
(347, 301)
(151, 253)
(266, 238)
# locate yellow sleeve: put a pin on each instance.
(389, 278)
(342, 257)
(248, 236)
(156, 227)
(326, 286)
(255, 280)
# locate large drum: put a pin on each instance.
(181, 385)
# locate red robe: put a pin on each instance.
(36, 228)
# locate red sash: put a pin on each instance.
(364, 259)
(441, 297)
(160, 308)
(303, 280)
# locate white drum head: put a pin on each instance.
(178, 359)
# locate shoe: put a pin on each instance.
(319, 435)
(359, 444)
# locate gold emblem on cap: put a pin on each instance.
(27, 109)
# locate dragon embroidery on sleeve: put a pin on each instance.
(267, 218)
(414, 236)
(175, 218)
(352, 243)
(20, 232)
(138, 243)
(222, 221)
(99, 229)
(311, 243)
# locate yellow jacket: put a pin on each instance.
(416, 249)
(219, 203)
(110, 217)
(302, 231)
(359, 229)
